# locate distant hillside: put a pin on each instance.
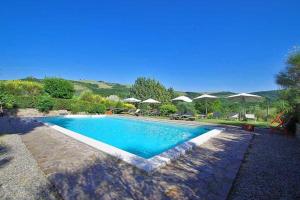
(105, 89)
(271, 94)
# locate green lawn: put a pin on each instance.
(259, 124)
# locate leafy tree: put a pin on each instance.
(145, 88)
(289, 79)
(172, 93)
(186, 108)
(59, 88)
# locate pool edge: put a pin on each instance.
(149, 165)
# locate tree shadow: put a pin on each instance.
(17, 125)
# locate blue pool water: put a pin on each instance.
(142, 138)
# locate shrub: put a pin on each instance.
(129, 106)
(186, 108)
(26, 101)
(62, 104)
(6, 100)
(167, 109)
(97, 108)
(45, 103)
(59, 88)
(17, 87)
(79, 106)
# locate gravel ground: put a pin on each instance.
(271, 169)
(20, 177)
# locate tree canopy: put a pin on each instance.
(145, 88)
(59, 88)
(289, 79)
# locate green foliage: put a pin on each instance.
(87, 107)
(63, 104)
(26, 101)
(186, 108)
(90, 97)
(6, 100)
(167, 109)
(45, 103)
(128, 106)
(97, 108)
(145, 88)
(290, 80)
(59, 88)
(79, 106)
(17, 88)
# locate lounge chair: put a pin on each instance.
(188, 117)
(137, 112)
(250, 116)
(234, 116)
(174, 116)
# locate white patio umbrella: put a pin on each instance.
(206, 98)
(183, 98)
(244, 98)
(131, 100)
(151, 101)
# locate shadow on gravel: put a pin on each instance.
(16, 125)
(3, 159)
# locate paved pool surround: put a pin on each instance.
(148, 165)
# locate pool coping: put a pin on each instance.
(148, 165)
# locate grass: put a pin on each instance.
(259, 124)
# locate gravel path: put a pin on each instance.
(20, 177)
(271, 169)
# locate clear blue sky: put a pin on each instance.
(190, 45)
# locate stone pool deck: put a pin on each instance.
(72, 170)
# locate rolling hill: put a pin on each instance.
(105, 89)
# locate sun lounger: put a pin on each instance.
(234, 116)
(250, 116)
(188, 117)
(174, 116)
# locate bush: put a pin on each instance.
(129, 106)
(97, 109)
(167, 109)
(84, 106)
(59, 88)
(17, 87)
(26, 101)
(186, 108)
(79, 106)
(6, 100)
(63, 104)
(45, 103)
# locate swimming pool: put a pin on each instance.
(138, 139)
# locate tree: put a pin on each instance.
(289, 79)
(145, 88)
(59, 88)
